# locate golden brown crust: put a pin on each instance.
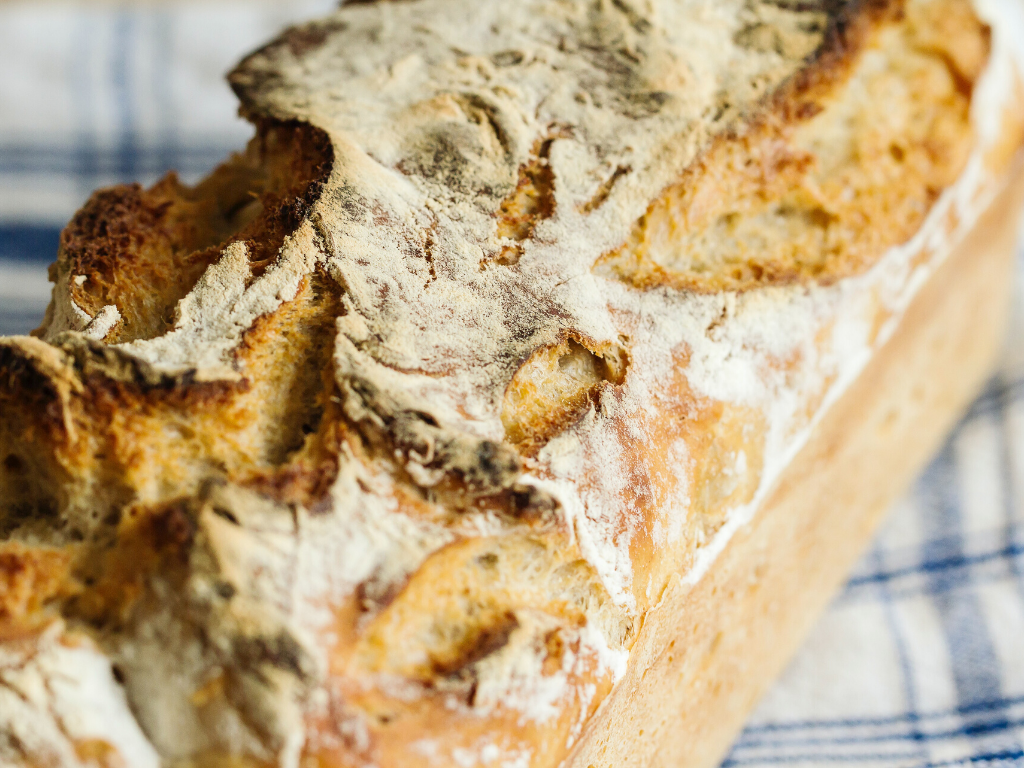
(555, 387)
(710, 650)
(144, 433)
(166, 237)
(845, 163)
(31, 578)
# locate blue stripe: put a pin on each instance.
(855, 722)
(988, 757)
(820, 757)
(909, 690)
(975, 666)
(29, 242)
(1016, 755)
(20, 323)
(973, 659)
(1012, 495)
(89, 162)
(995, 398)
(120, 76)
(973, 729)
(162, 51)
(82, 95)
(952, 562)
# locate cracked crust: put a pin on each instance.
(846, 163)
(379, 445)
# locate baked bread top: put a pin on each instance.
(377, 446)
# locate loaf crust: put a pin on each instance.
(707, 652)
(383, 444)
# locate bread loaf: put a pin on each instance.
(516, 397)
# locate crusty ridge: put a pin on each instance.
(166, 237)
(799, 194)
(391, 444)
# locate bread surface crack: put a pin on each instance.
(556, 386)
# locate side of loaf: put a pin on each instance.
(709, 650)
(384, 444)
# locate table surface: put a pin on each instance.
(918, 662)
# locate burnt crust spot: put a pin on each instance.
(605, 190)
(103, 244)
(434, 456)
(508, 58)
(167, 236)
(460, 146)
(484, 641)
(299, 159)
(306, 38)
